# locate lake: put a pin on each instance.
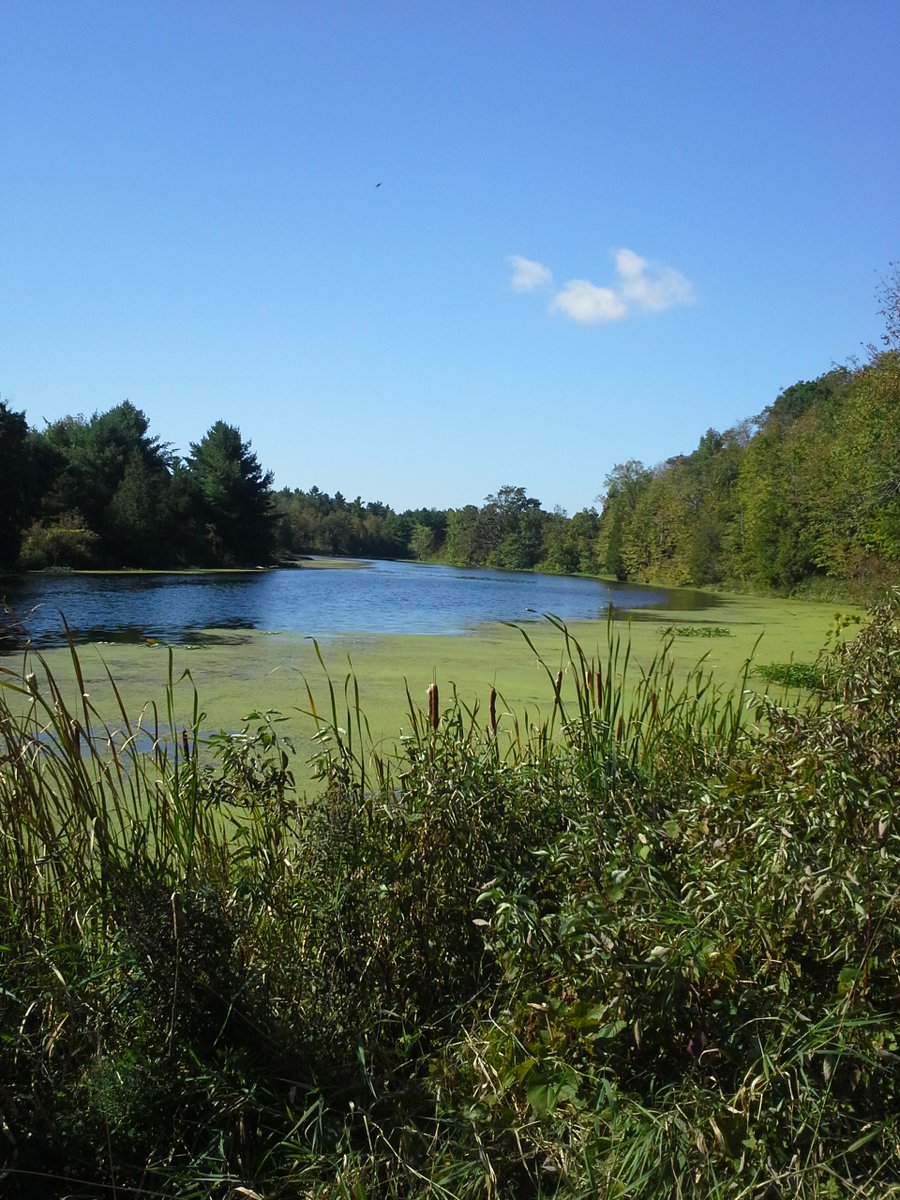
(376, 597)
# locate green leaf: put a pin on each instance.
(546, 1094)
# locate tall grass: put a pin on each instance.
(642, 944)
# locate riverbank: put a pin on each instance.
(309, 562)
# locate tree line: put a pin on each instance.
(809, 487)
(102, 492)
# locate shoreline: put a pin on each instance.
(263, 671)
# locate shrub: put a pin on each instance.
(627, 949)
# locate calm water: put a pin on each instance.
(379, 597)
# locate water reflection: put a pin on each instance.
(385, 597)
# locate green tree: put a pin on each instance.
(58, 479)
(888, 296)
(560, 544)
(654, 536)
(139, 520)
(780, 492)
(622, 490)
(421, 541)
(396, 530)
(855, 485)
(81, 465)
(236, 496)
(511, 527)
(461, 546)
(570, 542)
(14, 482)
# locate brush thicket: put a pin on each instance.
(642, 944)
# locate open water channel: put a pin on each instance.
(375, 597)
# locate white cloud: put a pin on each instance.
(640, 287)
(583, 301)
(651, 290)
(528, 275)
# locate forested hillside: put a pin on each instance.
(810, 487)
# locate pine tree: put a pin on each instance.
(236, 495)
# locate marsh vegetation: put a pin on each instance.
(643, 945)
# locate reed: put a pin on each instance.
(644, 944)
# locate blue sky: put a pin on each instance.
(601, 228)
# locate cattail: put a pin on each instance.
(178, 920)
(492, 712)
(433, 704)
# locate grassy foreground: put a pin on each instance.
(645, 946)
